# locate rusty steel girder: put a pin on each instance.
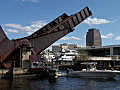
(41, 39)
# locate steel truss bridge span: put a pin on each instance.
(41, 39)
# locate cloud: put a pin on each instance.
(70, 38)
(16, 26)
(96, 21)
(30, 0)
(36, 25)
(117, 38)
(12, 31)
(109, 35)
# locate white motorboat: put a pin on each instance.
(92, 72)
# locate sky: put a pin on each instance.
(20, 18)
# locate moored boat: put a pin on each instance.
(92, 72)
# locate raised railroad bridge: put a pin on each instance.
(41, 39)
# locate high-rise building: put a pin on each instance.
(93, 37)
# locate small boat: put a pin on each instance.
(92, 72)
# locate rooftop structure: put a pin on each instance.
(111, 50)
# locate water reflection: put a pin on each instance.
(6, 84)
(62, 83)
(24, 83)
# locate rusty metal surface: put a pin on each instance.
(42, 41)
(6, 45)
(42, 38)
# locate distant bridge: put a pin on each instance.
(41, 39)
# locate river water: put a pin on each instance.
(61, 83)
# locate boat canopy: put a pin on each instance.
(89, 63)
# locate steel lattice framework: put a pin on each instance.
(41, 39)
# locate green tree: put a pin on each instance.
(82, 55)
